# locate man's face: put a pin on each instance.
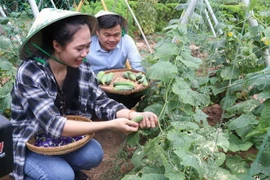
(109, 38)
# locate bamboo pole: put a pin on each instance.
(104, 5)
(80, 6)
(134, 17)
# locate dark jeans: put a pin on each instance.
(128, 100)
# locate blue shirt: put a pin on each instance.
(34, 110)
(101, 60)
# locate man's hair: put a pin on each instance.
(109, 21)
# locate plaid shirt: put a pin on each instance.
(33, 107)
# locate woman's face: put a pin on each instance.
(109, 38)
(74, 52)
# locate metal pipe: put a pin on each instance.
(34, 7)
(134, 17)
(212, 14)
(53, 4)
(210, 23)
(187, 14)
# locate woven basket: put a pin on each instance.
(65, 148)
(118, 76)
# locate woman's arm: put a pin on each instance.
(76, 128)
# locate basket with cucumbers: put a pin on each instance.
(122, 81)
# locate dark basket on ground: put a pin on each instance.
(65, 148)
(118, 76)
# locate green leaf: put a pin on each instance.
(178, 139)
(238, 145)
(217, 91)
(229, 73)
(185, 125)
(237, 164)
(244, 107)
(4, 20)
(189, 61)
(252, 4)
(137, 157)
(264, 95)
(5, 43)
(133, 139)
(6, 66)
(5, 103)
(228, 101)
(265, 156)
(153, 176)
(254, 30)
(267, 33)
(203, 80)
(190, 160)
(223, 174)
(6, 89)
(219, 158)
(155, 108)
(258, 80)
(214, 80)
(243, 121)
(131, 177)
(259, 130)
(162, 71)
(258, 168)
(165, 51)
(265, 115)
(175, 176)
(188, 96)
(200, 116)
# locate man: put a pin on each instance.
(111, 47)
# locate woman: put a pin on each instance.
(54, 81)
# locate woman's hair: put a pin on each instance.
(109, 21)
(63, 31)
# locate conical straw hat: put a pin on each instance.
(104, 13)
(45, 18)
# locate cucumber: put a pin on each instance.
(145, 82)
(103, 79)
(109, 78)
(125, 75)
(100, 74)
(141, 80)
(125, 83)
(123, 88)
(137, 119)
(139, 76)
(132, 77)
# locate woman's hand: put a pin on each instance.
(124, 125)
(150, 120)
